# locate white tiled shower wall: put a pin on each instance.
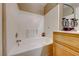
(30, 24)
(22, 22)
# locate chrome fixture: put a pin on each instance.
(18, 41)
(16, 35)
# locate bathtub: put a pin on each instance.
(30, 44)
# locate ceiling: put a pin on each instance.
(33, 7)
(38, 8)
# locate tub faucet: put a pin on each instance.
(18, 41)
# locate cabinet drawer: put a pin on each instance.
(68, 40)
(61, 50)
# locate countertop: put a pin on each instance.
(72, 32)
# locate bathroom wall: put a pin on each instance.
(0, 29)
(11, 18)
(51, 21)
(29, 25)
(77, 16)
(19, 22)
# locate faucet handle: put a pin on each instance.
(16, 35)
(18, 40)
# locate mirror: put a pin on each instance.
(69, 21)
(69, 8)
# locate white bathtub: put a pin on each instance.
(30, 44)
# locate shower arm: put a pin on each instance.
(72, 9)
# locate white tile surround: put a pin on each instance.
(25, 22)
(21, 22)
(30, 44)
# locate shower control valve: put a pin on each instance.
(18, 41)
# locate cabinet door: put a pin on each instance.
(50, 50)
(62, 50)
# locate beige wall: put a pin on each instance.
(49, 7)
(51, 21)
(11, 18)
(0, 29)
(60, 15)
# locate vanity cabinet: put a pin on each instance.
(65, 44)
(62, 50)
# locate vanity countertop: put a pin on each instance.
(69, 32)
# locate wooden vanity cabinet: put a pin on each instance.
(65, 44)
(61, 51)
